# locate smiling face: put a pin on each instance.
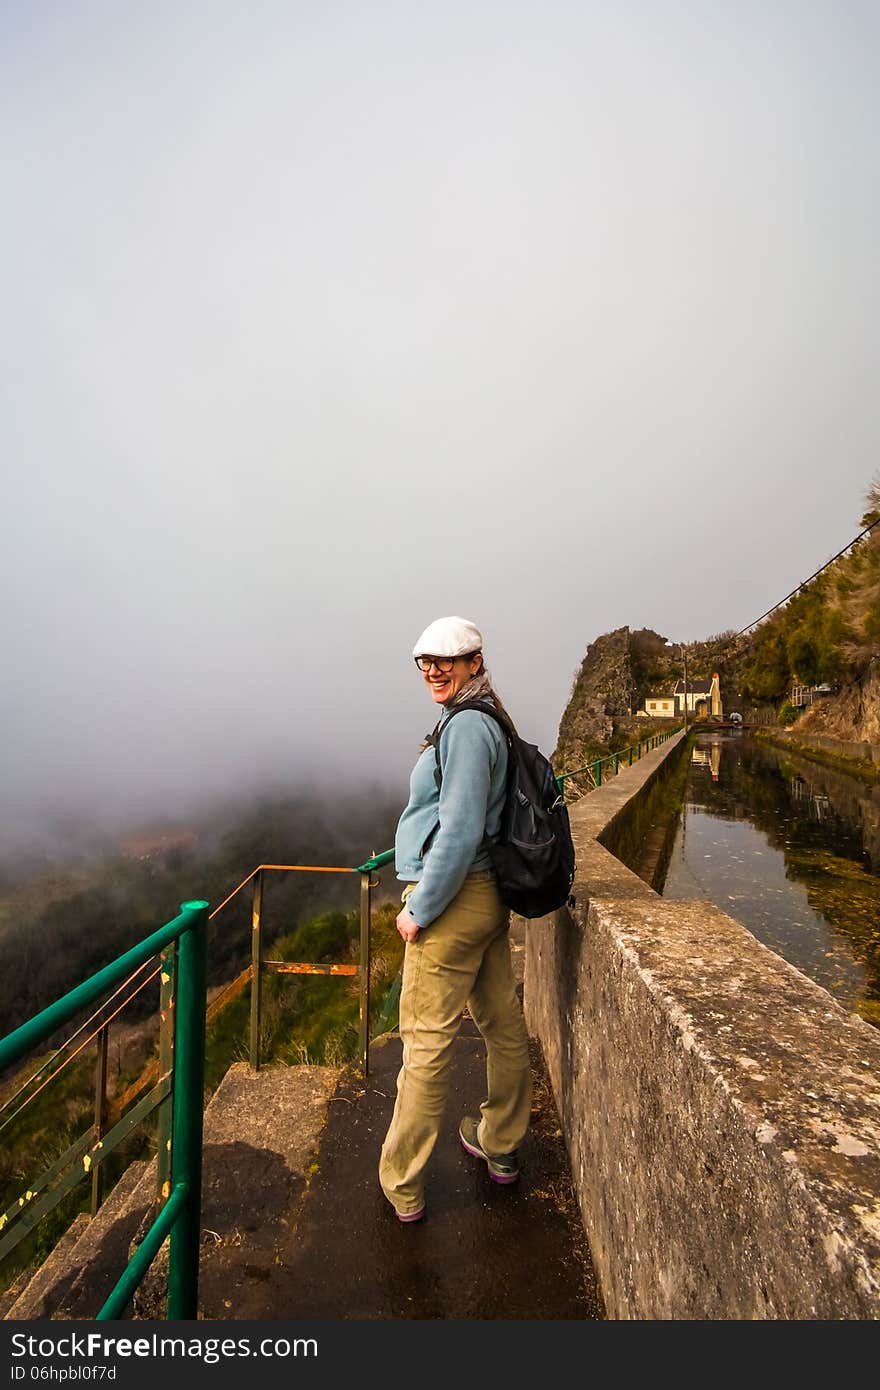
(445, 685)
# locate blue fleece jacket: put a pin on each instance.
(442, 835)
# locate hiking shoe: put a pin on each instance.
(502, 1167)
(411, 1215)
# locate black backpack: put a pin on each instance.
(533, 854)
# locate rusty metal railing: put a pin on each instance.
(260, 966)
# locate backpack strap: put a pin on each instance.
(484, 708)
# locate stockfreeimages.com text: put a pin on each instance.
(94, 1345)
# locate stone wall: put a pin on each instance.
(854, 751)
(722, 1112)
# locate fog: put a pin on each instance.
(323, 320)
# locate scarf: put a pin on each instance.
(479, 687)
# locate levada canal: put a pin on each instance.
(791, 849)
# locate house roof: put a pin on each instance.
(665, 696)
(693, 688)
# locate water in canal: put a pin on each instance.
(791, 849)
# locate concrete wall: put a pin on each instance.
(722, 1112)
(860, 752)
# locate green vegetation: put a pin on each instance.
(650, 663)
(829, 631)
(628, 733)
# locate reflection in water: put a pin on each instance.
(792, 850)
(709, 757)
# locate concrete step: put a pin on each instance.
(101, 1253)
(261, 1136)
(93, 1250)
(31, 1284)
(15, 1289)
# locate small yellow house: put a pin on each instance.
(659, 707)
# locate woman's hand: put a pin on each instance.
(408, 929)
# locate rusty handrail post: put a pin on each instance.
(100, 1125)
(364, 1004)
(167, 977)
(256, 970)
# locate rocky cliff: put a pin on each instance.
(620, 668)
(851, 713)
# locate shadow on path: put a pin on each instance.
(482, 1250)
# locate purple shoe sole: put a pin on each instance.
(411, 1215)
(478, 1153)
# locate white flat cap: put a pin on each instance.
(449, 637)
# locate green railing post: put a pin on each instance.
(100, 1125)
(364, 1002)
(616, 763)
(143, 1257)
(189, 1100)
(597, 773)
(630, 755)
(167, 976)
(256, 970)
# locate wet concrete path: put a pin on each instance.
(482, 1250)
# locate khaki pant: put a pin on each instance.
(462, 958)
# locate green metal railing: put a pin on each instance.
(628, 755)
(179, 1092)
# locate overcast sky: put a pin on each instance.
(322, 320)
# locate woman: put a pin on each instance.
(455, 928)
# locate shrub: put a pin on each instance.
(768, 675)
(788, 714)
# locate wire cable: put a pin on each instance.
(804, 582)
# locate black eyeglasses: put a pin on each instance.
(443, 664)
